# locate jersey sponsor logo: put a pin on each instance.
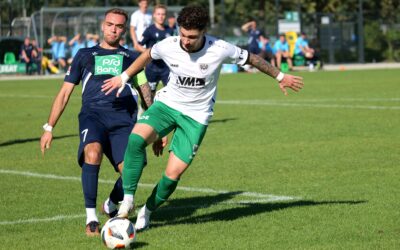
(203, 67)
(108, 65)
(191, 82)
(174, 65)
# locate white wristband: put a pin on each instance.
(280, 76)
(124, 77)
(47, 128)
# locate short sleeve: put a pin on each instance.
(154, 52)
(238, 55)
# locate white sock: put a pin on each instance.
(91, 215)
(128, 198)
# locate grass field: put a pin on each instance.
(319, 169)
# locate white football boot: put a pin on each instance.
(125, 209)
(143, 219)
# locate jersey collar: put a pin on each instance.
(201, 47)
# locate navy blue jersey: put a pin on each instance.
(93, 66)
(254, 37)
(151, 36)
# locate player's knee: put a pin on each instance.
(136, 143)
(93, 154)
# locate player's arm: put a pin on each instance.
(57, 109)
(120, 81)
(285, 80)
(143, 87)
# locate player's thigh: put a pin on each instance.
(159, 118)
(91, 130)
(187, 138)
(118, 142)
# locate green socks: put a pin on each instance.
(134, 161)
(161, 192)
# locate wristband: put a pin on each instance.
(47, 128)
(280, 76)
(124, 77)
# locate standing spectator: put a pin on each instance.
(26, 55)
(140, 20)
(76, 43)
(156, 70)
(172, 24)
(281, 51)
(254, 36)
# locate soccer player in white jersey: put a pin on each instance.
(185, 105)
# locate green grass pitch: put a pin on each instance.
(318, 169)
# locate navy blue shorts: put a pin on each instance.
(110, 129)
(154, 74)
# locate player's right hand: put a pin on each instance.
(111, 84)
(45, 141)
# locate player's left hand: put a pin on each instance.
(159, 145)
(111, 84)
(293, 82)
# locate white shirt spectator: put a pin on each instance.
(140, 21)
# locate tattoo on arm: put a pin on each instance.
(263, 65)
(145, 94)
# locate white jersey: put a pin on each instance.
(192, 85)
(140, 21)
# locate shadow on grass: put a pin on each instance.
(20, 141)
(180, 211)
(223, 120)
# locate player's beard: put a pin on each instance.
(112, 42)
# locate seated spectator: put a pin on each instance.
(26, 55)
(76, 43)
(37, 56)
(91, 40)
(302, 48)
(266, 50)
(58, 50)
(281, 51)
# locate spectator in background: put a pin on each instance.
(302, 48)
(140, 20)
(266, 50)
(91, 40)
(58, 50)
(26, 55)
(156, 70)
(281, 51)
(76, 43)
(172, 24)
(123, 43)
(254, 36)
(37, 56)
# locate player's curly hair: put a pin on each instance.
(193, 17)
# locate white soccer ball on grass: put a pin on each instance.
(118, 233)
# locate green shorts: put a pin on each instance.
(188, 132)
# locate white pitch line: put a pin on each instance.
(261, 196)
(38, 220)
(310, 105)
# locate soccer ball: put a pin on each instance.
(118, 233)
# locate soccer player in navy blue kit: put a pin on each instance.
(105, 121)
(156, 70)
